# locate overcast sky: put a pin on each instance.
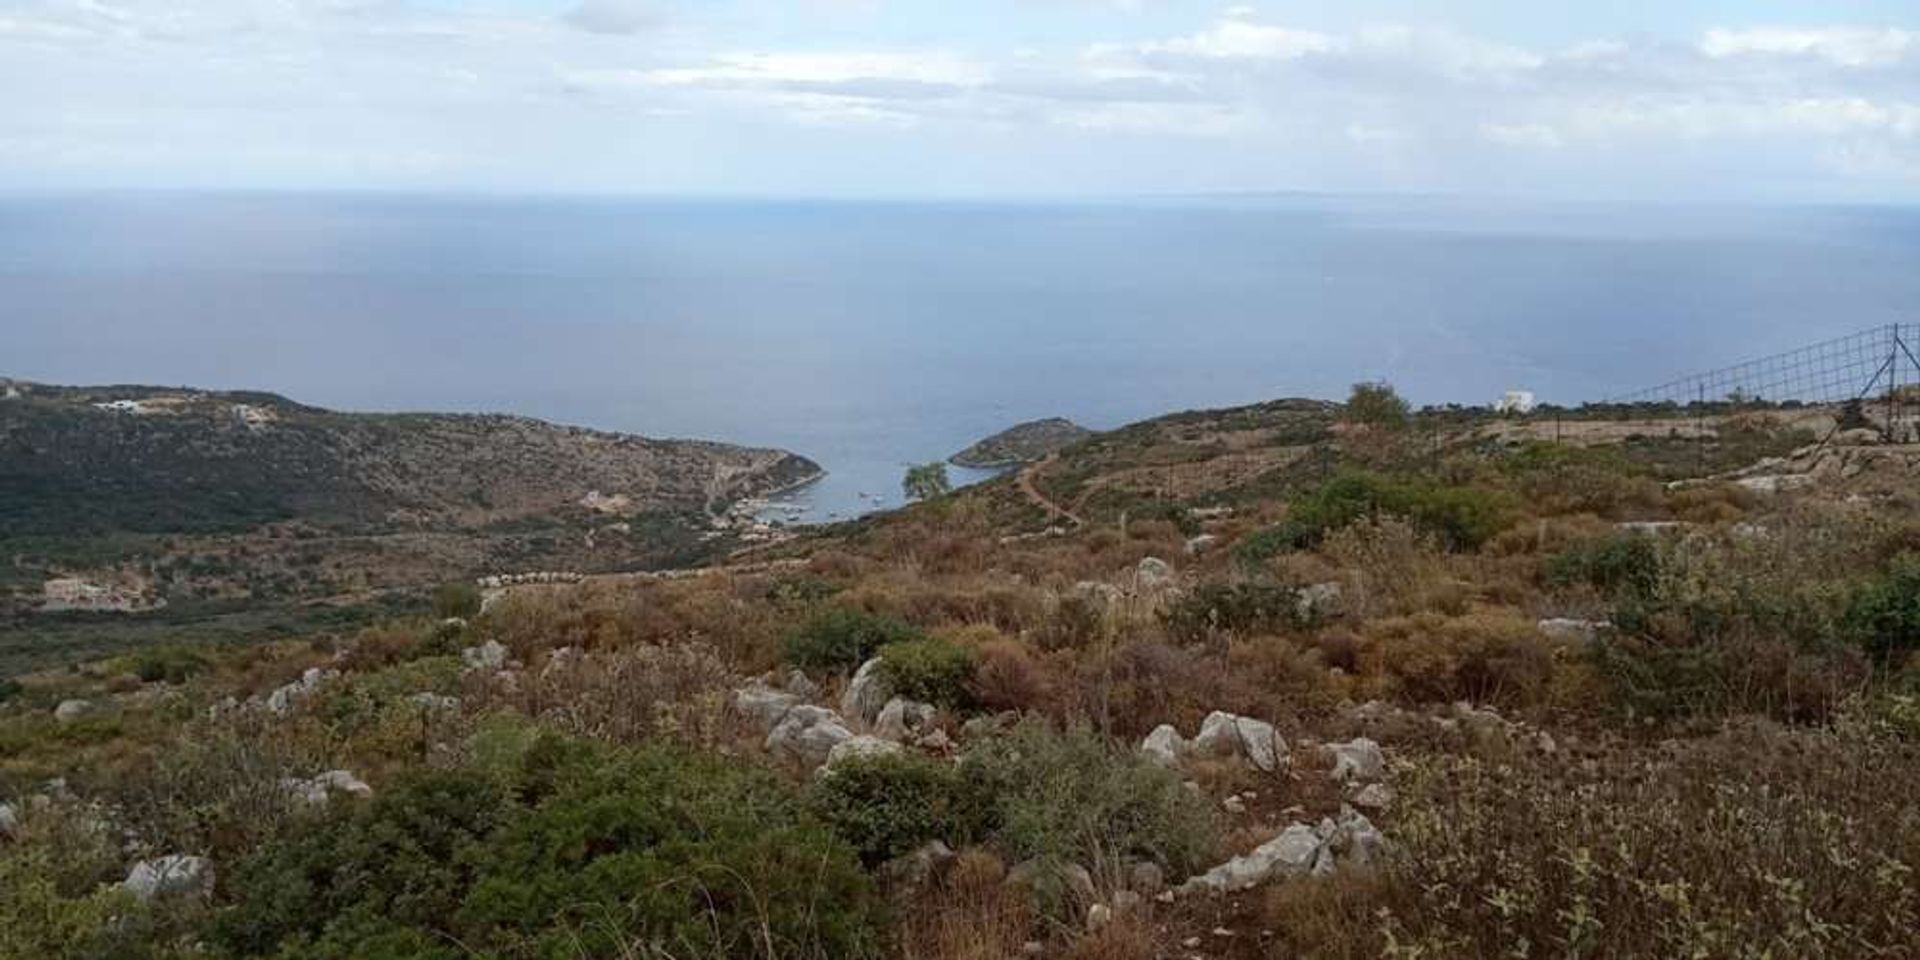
(1709, 99)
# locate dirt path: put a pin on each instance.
(1039, 499)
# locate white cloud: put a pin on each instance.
(1532, 135)
(1237, 38)
(1845, 46)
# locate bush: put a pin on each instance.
(1074, 797)
(1625, 566)
(1883, 617)
(886, 806)
(1377, 405)
(662, 853)
(458, 599)
(842, 638)
(166, 664)
(1462, 517)
(1240, 608)
(931, 669)
(1480, 658)
(559, 848)
(405, 860)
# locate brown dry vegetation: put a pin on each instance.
(1727, 772)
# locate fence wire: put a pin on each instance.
(1872, 364)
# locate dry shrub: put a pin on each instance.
(1759, 842)
(1331, 918)
(611, 616)
(1141, 685)
(1484, 657)
(968, 914)
(677, 693)
(1126, 937)
(1393, 568)
(1293, 680)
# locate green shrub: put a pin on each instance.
(659, 853)
(886, 806)
(1240, 608)
(931, 669)
(556, 847)
(407, 859)
(456, 599)
(1625, 566)
(842, 638)
(1074, 797)
(1377, 405)
(1883, 617)
(165, 664)
(1462, 517)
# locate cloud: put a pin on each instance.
(618, 17)
(1845, 46)
(217, 89)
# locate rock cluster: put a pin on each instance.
(524, 579)
(1299, 850)
(1221, 735)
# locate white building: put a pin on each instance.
(1515, 401)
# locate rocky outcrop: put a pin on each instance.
(1298, 851)
(1255, 741)
(807, 734)
(283, 698)
(861, 747)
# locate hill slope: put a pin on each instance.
(136, 498)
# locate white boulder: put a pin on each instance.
(1226, 734)
(1291, 854)
(491, 655)
(71, 710)
(859, 747)
(1164, 746)
(170, 875)
(902, 719)
(765, 707)
(867, 693)
(1357, 759)
(1153, 573)
(807, 734)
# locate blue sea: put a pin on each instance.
(871, 335)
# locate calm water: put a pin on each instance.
(868, 336)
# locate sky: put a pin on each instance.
(1630, 99)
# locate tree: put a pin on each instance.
(1377, 405)
(926, 481)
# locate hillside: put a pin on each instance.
(1234, 684)
(151, 497)
(1022, 443)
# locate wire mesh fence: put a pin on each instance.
(1876, 363)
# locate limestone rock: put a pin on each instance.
(902, 719)
(491, 655)
(858, 747)
(1201, 544)
(1319, 601)
(920, 866)
(1291, 854)
(170, 875)
(763, 706)
(1570, 629)
(867, 693)
(807, 734)
(1164, 746)
(1357, 759)
(1153, 573)
(71, 710)
(1225, 734)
